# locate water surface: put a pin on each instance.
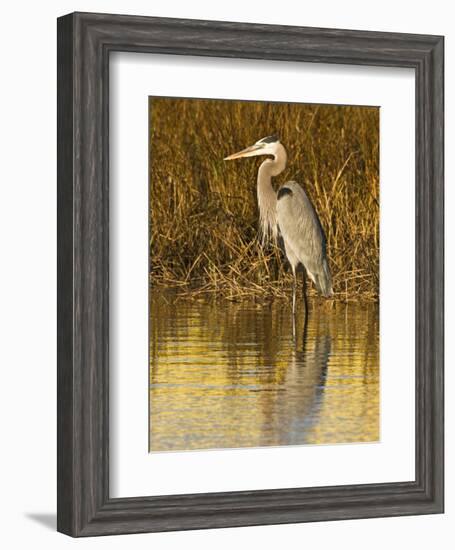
(229, 375)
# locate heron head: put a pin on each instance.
(265, 146)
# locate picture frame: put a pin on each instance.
(85, 507)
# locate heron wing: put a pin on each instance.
(302, 232)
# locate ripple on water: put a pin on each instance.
(229, 375)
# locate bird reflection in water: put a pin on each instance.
(227, 375)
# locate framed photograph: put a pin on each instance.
(250, 274)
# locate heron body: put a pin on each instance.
(303, 237)
(289, 212)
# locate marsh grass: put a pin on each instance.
(203, 210)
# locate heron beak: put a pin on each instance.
(248, 152)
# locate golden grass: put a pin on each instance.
(203, 211)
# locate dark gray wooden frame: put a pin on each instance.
(84, 44)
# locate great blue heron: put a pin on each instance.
(291, 214)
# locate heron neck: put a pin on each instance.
(273, 167)
(267, 200)
(266, 192)
(267, 197)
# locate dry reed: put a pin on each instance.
(203, 211)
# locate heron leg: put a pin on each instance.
(305, 299)
(294, 285)
(294, 288)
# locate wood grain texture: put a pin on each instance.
(65, 303)
(84, 44)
